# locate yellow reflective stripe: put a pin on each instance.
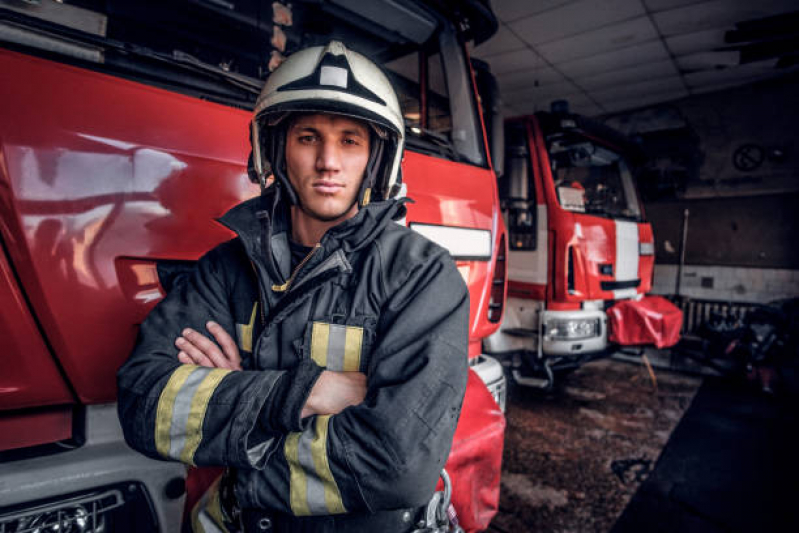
(196, 526)
(297, 481)
(319, 453)
(245, 331)
(214, 507)
(352, 349)
(199, 404)
(320, 338)
(166, 403)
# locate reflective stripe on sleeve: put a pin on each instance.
(244, 331)
(181, 410)
(313, 490)
(320, 336)
(352, 349)
(336, 347)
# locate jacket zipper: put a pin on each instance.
(286, 286)
(260, 300)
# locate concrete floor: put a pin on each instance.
(574, 458)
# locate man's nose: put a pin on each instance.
(329, 157)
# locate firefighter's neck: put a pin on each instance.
(308, 228)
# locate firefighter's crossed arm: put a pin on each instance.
(332, 393)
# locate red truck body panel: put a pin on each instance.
(100, 184)
(128, 173)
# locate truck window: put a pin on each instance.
(517, 189)
(591, 178)
(436, 75)
(224, 52)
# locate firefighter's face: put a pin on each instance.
(326, 157)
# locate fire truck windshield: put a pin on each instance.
(590, 178)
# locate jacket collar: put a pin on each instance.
(246, 219)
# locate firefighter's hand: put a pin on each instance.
(197, 349)
(335, 391)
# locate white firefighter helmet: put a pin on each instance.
(330, 79)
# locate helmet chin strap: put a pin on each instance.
(373, 166)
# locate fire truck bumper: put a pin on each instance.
(102, 485)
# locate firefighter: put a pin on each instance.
(321, 355)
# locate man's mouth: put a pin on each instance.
(327, 187)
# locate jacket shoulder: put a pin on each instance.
(404, 252)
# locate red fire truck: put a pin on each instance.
(578, 242)
(123, 135)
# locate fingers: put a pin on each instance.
(201, 350)
(226, 342)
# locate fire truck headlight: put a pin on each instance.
(646, 248)
(572, 329)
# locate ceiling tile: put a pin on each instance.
(524, 59)
(708, 60)
(645, 100)
(625, 57)
(574, 18)
(502, 41)
(717, 14)
(698, 41)
(638, 90)
(577, 103)
(510, 10)
(737, 82)
(604, 39)
(542, 94)
(544, 76)
(719, 76)
(644, 71)
(662, 5)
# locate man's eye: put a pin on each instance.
(307, 138)
(351, 142)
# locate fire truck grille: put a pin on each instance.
(118, 508)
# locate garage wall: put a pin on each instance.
(731, 158)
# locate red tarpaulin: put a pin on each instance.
(651, 320)
(475, 462)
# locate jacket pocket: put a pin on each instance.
(339, 347)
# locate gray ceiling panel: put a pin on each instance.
(544, 76)
(626, 57)
(698, 41)
(639, 90)
(512, 61)
(510, 10)
(708, 60)
(646, 71)
(715, 77)
(605, 39)
(575, 18)
(503, 41)
(716, 14)
(662, 5)
(542, 94)
(618, 54)
(645, 100)
(577, 103)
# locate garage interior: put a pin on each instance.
(685, 444)
(701, 436)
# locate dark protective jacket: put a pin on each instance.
(373, 297)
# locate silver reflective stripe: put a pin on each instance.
(335, 347)
(315, 489)
(180, 412)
